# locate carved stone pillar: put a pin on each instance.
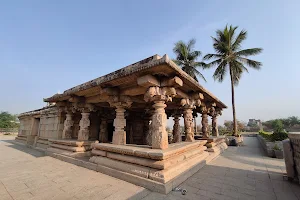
(215, 131)
(214, 112)
(159, 124)
(103, 134)
(159, 119)
(176, 129)
(188, 124)
(84, 124)
(119, 135)
(204, 122)
(67, 132)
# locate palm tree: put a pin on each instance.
(186, 58)
(230, 57)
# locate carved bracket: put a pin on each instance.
(160, 93)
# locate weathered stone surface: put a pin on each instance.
(218, 148)
(188, 124)
(103, 134)
(99, 152)
(158, 129)
(71, 142)
(168, 174)
(122, 166)
(67, 132)
(204, 124)
(176, 130)
(71, 148)
(84, 124)
(122, 149)
(155, 154)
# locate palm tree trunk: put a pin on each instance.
(233, 104)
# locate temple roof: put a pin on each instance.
(125, 78)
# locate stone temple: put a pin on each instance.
(116, 124)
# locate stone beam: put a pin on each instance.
(181, 94)
(173, 82)
(76, 99)
(148, 81)
(134, 91)
(97, 99)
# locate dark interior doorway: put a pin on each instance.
(110, 130)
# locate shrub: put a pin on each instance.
(276, 147)
(276, 136)
(279, 136)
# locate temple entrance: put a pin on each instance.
(110, 130)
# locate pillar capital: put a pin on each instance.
(156, 93)
(119, 101)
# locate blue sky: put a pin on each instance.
(49, 46)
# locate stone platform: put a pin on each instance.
(73, 148)
(41, 143)
(21, 139)
(216, 144)
(157, 170)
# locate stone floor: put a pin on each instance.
(239, 173)
(25, 174)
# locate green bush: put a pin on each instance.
(278, 135)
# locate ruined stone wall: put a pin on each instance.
(295, 141)
(25, 125)
(51, 125)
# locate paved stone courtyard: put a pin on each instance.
(239, 173)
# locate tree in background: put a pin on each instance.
(8, 120)
(229, 125)
(284, 123)
(186, 58)
(230, 58)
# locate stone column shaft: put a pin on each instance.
(215, 131)
(204, 125)
(67, 132)
(119, 135)
(158, 126)
(188, 124)
(103, 137)
(84, 124)
(176, 130)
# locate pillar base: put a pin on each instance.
(119, 137)
(73, 148)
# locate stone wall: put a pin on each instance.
(51, 125)
(25, 125)
(295, 141)
(268, 146)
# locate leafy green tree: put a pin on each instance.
(230, 58)
(186, 58)
(8, 120)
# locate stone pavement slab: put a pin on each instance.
(26, 174)
(239, 173)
